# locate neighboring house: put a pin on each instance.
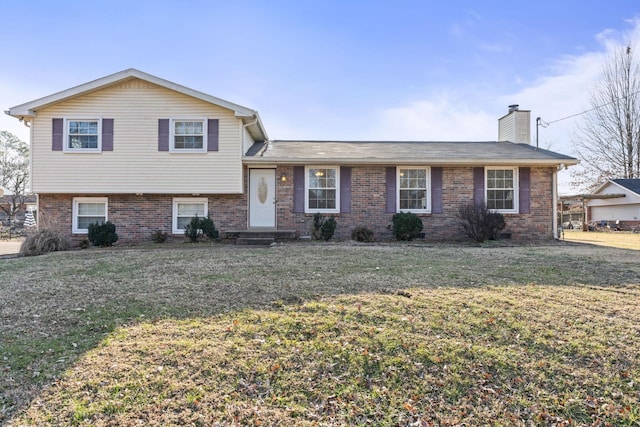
(28, 203)
(616, 202)
(148, 154)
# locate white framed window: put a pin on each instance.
(82, 135)
(501, 189)
(88, 210)
(185, 208)
(413, 190)
(188, 136)
(322, 185)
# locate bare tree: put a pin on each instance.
(608, 141)
(14, 173)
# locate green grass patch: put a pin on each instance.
(322, 335)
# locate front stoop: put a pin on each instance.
(254, 241)
(259, 237)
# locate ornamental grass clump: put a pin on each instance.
(42, 242)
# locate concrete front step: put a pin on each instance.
(255, 241)
(275, 235)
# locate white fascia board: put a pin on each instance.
(416, 161)
(249, 119)
(30, 108)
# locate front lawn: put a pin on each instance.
(322, 335)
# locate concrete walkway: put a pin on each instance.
(10, 247)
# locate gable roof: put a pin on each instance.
(629, 184)
(247, 115)
(403, 152)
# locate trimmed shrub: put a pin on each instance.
(84, 244)
(159, 236)
(328, 228)
(406, 226)
(42, 242)
(209, 228)
(198, 227)
(102, 234)
(323, 228)
(362, 234)
(480, 223)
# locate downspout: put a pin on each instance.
(555, 204)
(244, 127)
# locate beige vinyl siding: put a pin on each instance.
(515, 127)
(247, 140)
(135, 165)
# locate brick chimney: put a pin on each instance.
(515, 126)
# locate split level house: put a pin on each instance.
(147, 154)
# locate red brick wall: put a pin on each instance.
(368, 201)
(137, 217)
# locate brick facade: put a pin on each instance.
(138, 216)
(368, 199)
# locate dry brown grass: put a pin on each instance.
(322, 334)
(614, 239)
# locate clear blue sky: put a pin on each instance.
(332, 69)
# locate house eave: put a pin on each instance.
(404, 161)
(30, 109)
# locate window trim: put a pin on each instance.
(516, 188)
(174, 212)
(427, 169)
(65, 135)
(306, 189)
(76, 202)
(172, 139)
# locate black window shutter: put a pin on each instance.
(391, 189)
(478, 186)
(345, 189)
(107, 134)
(163, 134)
(58, 134)
(436, 190)
(212, 134)
(525, 190)
(298, 189)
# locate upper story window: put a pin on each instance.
(413, 190)
(322, 184)
(502, 189)
(188, 135)
(83, 135)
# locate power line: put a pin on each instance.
(592, 109)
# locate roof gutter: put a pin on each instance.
(256, 121)
(404, 161)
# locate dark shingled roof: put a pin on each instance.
(630, 184)
(428, 152)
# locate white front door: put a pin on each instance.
(262, 198)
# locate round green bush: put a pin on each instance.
(406, 226)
